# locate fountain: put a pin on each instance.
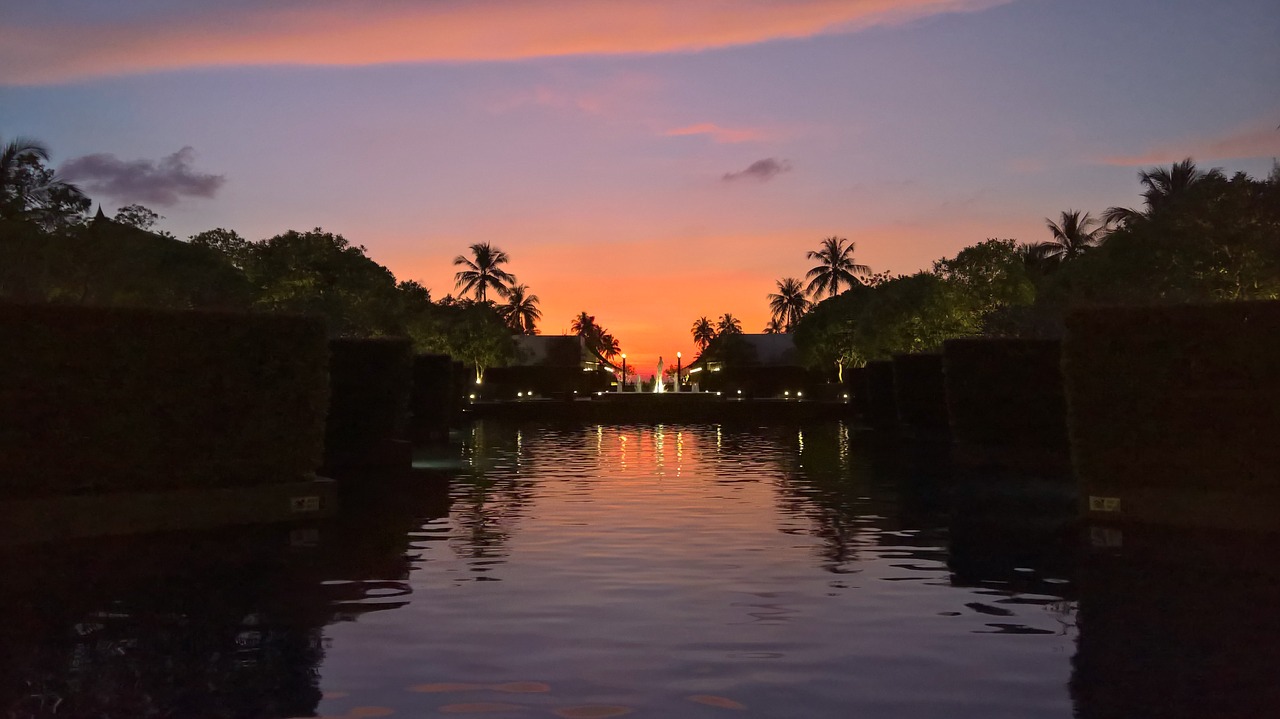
(657, 379)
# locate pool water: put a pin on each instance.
(648, 571)
(681, 571)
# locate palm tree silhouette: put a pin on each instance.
(26, 186)
(597, 338)
(775, 327)
(484, 272)
(788, 304)
(583, 324)
(837, 267)
(703, 332)
(1073, 233)
(521, 310)
(1163, 186)
(728, 325)
(608, 346)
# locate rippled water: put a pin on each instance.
(666, 571)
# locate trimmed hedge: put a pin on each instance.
(369, 385)
(880, 401)
(116, 399)
(1176, 397)
(433, 402)
(855, 385)
(920, 391)
(1006, 392)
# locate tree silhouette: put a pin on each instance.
(608, 345)
(1073, 233)
(788, 304)
(31, 191)
(521, 311)
(484, 272)
(837, 267)
(728, 325)
(597, 338)
(703, 332)
(583, 325)
(1163, 187)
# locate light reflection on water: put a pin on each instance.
(657, 570)
(773, 568)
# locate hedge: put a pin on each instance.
(369, 384)
(880, 402)
(1005, 392)
(433, 402)
(114, 399)
(919, 391)
(1183, 396)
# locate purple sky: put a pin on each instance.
(648, 162)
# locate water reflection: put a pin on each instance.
(664, 570)
(224, 623)
(1179, 624)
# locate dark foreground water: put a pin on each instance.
(653, 571)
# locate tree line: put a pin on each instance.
(51, 250)
(1199, 237)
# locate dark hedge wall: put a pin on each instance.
(369, 386)
(880, 399)
(433, 401)
(1181, 396)
(919, 391)
(1004, 392)
(111, 399)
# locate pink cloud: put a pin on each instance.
(367, 33)
(1257, 141)
(717, 133)
(618, 95)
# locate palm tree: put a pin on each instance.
(26, 185)
(788, 304)
(775, 327)
(703, 332)
(583, 325)
(728, 325)
(1163, 186)
(483, 273)
(608, 346)
(1073, 233)
(1035, 257)
(837, 267)
(521, 311)
(597, 338)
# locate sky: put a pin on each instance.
(646, 161)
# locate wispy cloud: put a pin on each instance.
(760, 170)
(619, 94)
(50, 46)
(161, 183)
(1262, 140)
(717, 133)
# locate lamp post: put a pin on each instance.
(622, 386)
(678, 367)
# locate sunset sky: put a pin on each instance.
(648, 161)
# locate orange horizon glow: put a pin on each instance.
(1257, 141)
(644, 293)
